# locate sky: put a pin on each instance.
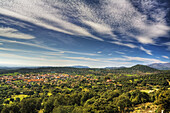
(94, 33)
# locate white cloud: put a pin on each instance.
(147, 30)
(165, 57)
(42, 60)
(149, 35)
(47, 48)
(145, 60)
(100, 28)
(139, 59)
(83, 58)
(14, 57)
(9, 49)
(99, 52)
(52, 22)
(117, 59)
(124, 44)
(167, 44)
(19, 60)
(145, 50)
(18, 13)
(119, 52)
(132, 46)
(8, 21)
(14, 33)
(33, 52)
(69, 17)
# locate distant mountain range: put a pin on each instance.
(80, 66)
(84, 69)
(3, 67)
(160, 66)
(115, 67)
(10, 68)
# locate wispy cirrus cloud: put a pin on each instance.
(136, 24)
(101, 28)
(14, 33)
(139, 59)
(145, 50)
(132, 46)
(49, 21)
(45, 60)
(83, 58)
(148, 60)
(144, 60)
(124, 44)
(14, 56)
(10, 49)
(61, 17)
(45, 47)
(167, 44)
(32, 52)
(119, 52)
(165, 57)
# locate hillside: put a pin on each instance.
(139, 69)
(143, 68)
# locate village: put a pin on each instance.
(46, 78)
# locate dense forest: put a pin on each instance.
(72, 90)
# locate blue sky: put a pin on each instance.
(94, 33)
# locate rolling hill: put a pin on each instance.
(139, 68)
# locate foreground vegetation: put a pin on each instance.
(71, 90)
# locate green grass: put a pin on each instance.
(147, 91)
(19, 96)
(129, 75)
(136, 80)
(49, 94)
(8, 74)
(70, 89)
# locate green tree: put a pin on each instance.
(163, 100)
(12, 108)
(6, 101)
(123, 102)
(30, 105)
(17, 99)
(49, 105)
(63, 109)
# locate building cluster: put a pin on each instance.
(34, 78)
(52, 78)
